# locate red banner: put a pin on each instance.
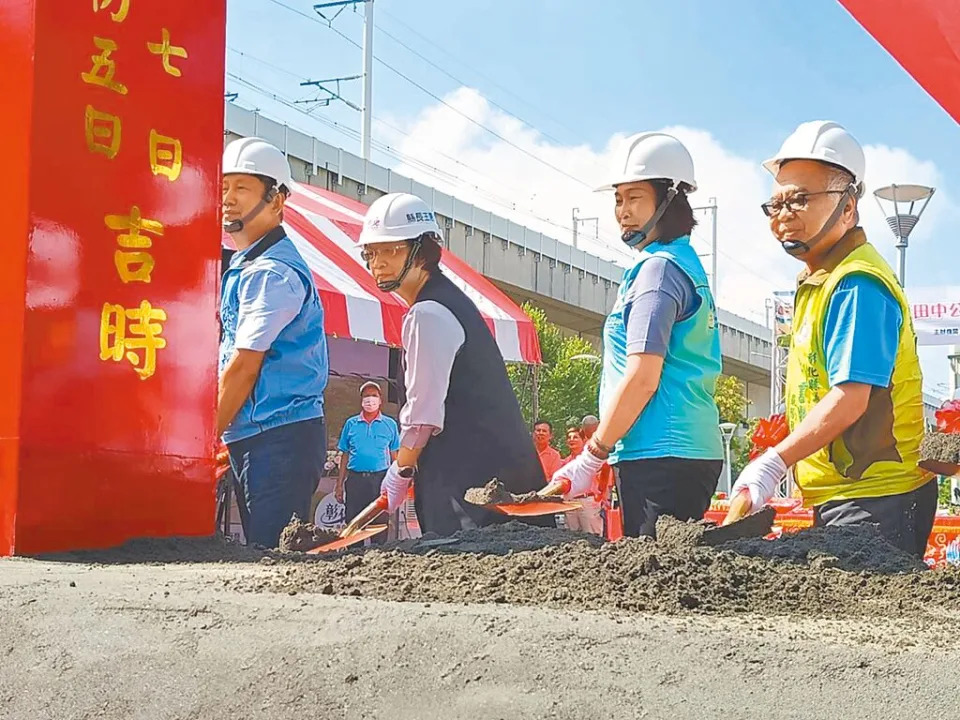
(923, 36)
(119, 338)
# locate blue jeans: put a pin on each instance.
(279, 470)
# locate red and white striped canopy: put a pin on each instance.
(325, 227)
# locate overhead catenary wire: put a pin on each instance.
(496, 200)
(436, 97)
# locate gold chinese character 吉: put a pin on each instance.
(133, 265)
(120, 15)
(104, 67)
(102, 131)
(166, 156)
(134, 224)
(122, 339)
(166, 50)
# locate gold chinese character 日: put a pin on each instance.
(104, 67)
(120, 15)
(166, 50)
(102, 131)
(133, 265)
(166, 156)
(134, 224)
(125, 333)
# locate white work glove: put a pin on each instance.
(581, 472)
(761, 478)
(395, 487)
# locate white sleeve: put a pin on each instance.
(432, 337)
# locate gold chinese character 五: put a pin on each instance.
(104, 67)
(126, 332)
(123, 7)
(134, 224)
(166, 156)
(102, 131)
(166, 51)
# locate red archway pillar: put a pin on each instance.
(113, 129)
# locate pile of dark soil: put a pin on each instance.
(494, 492)
(156, 551)
(941, 447)
(677, 535)
(828, 573)
(299, 536)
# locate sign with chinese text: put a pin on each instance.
(119, 336)
(936, 314)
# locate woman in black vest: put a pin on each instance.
(460, 424)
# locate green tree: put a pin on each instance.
(568, 387)
(731, 399)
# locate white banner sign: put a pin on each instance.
(936, 314)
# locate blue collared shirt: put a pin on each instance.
(368, 444)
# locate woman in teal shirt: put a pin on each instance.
(659, 424)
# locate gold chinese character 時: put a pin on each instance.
(134, 223)
(122, 339)
(102, 131)
(104, 67)
(133, 265)
(166, 155)
(120, 15)
(165, 50)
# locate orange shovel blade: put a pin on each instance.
(532, 509)
(353, 539)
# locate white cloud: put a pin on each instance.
(506, 177)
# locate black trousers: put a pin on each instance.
(679, 487)
(906, 520)
(361, 489)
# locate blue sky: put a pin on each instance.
(734, 77)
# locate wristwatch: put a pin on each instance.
(407, 472)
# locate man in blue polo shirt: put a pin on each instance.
(273, 352)
(369, 442)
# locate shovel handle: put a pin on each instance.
(555, 488)
(740, 507)
(366, 516)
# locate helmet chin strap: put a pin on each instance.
(235, 226)
(633, 238)
(798, 248)
(393, 285)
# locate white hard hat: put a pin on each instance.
(825, 141)
(652, 156)
(255, 156)
(397, 216)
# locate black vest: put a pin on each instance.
(484, 432)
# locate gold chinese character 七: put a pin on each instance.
(134, 224)
(102, 131)
(104, 67)
(133, 265)
(166, 50)
(123, 7)
(125, 333)
(166, 156)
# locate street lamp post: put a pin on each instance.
(903, 223)
(727, 429)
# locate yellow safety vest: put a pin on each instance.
(878, 454)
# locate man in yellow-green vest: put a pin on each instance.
(853, 392)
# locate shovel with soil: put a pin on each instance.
(358, 529)
(548, 501)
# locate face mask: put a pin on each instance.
(370, 404)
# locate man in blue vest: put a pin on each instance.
(273, 353)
